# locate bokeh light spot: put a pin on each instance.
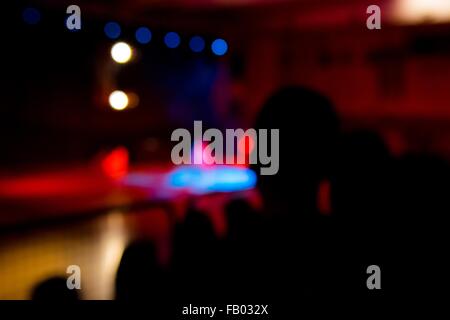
(172, 40)
(118, 100)
(197, 44)
(219, 47)
(112, 30)
(121, 52)
(143, 35)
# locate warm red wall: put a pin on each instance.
(375, 78)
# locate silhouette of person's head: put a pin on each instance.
(309, 130)
(195, 256)
(54, 289)
(139, 275)
(360, 185)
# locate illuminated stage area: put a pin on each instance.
(106, 207)
(77, 190)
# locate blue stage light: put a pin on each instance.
(202, 180)
(31, 15)
(172, 40)
(143, 35)
(219, 47)
(197, 44)
(112, 30)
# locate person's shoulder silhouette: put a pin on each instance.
(139, 275)
(54, 289)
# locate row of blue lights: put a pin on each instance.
(143, 35)
(172, 39)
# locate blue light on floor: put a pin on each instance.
(202, 180)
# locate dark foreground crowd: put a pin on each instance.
(382, 210)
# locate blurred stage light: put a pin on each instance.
(418, 11)
(31, 15)
(121, 52)
(246, 145)
(219, 47)
(115, 163)
(197, 44)
(201, 180)
(112, 30)
(118, 100)
(143, 35)
(172, 40)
